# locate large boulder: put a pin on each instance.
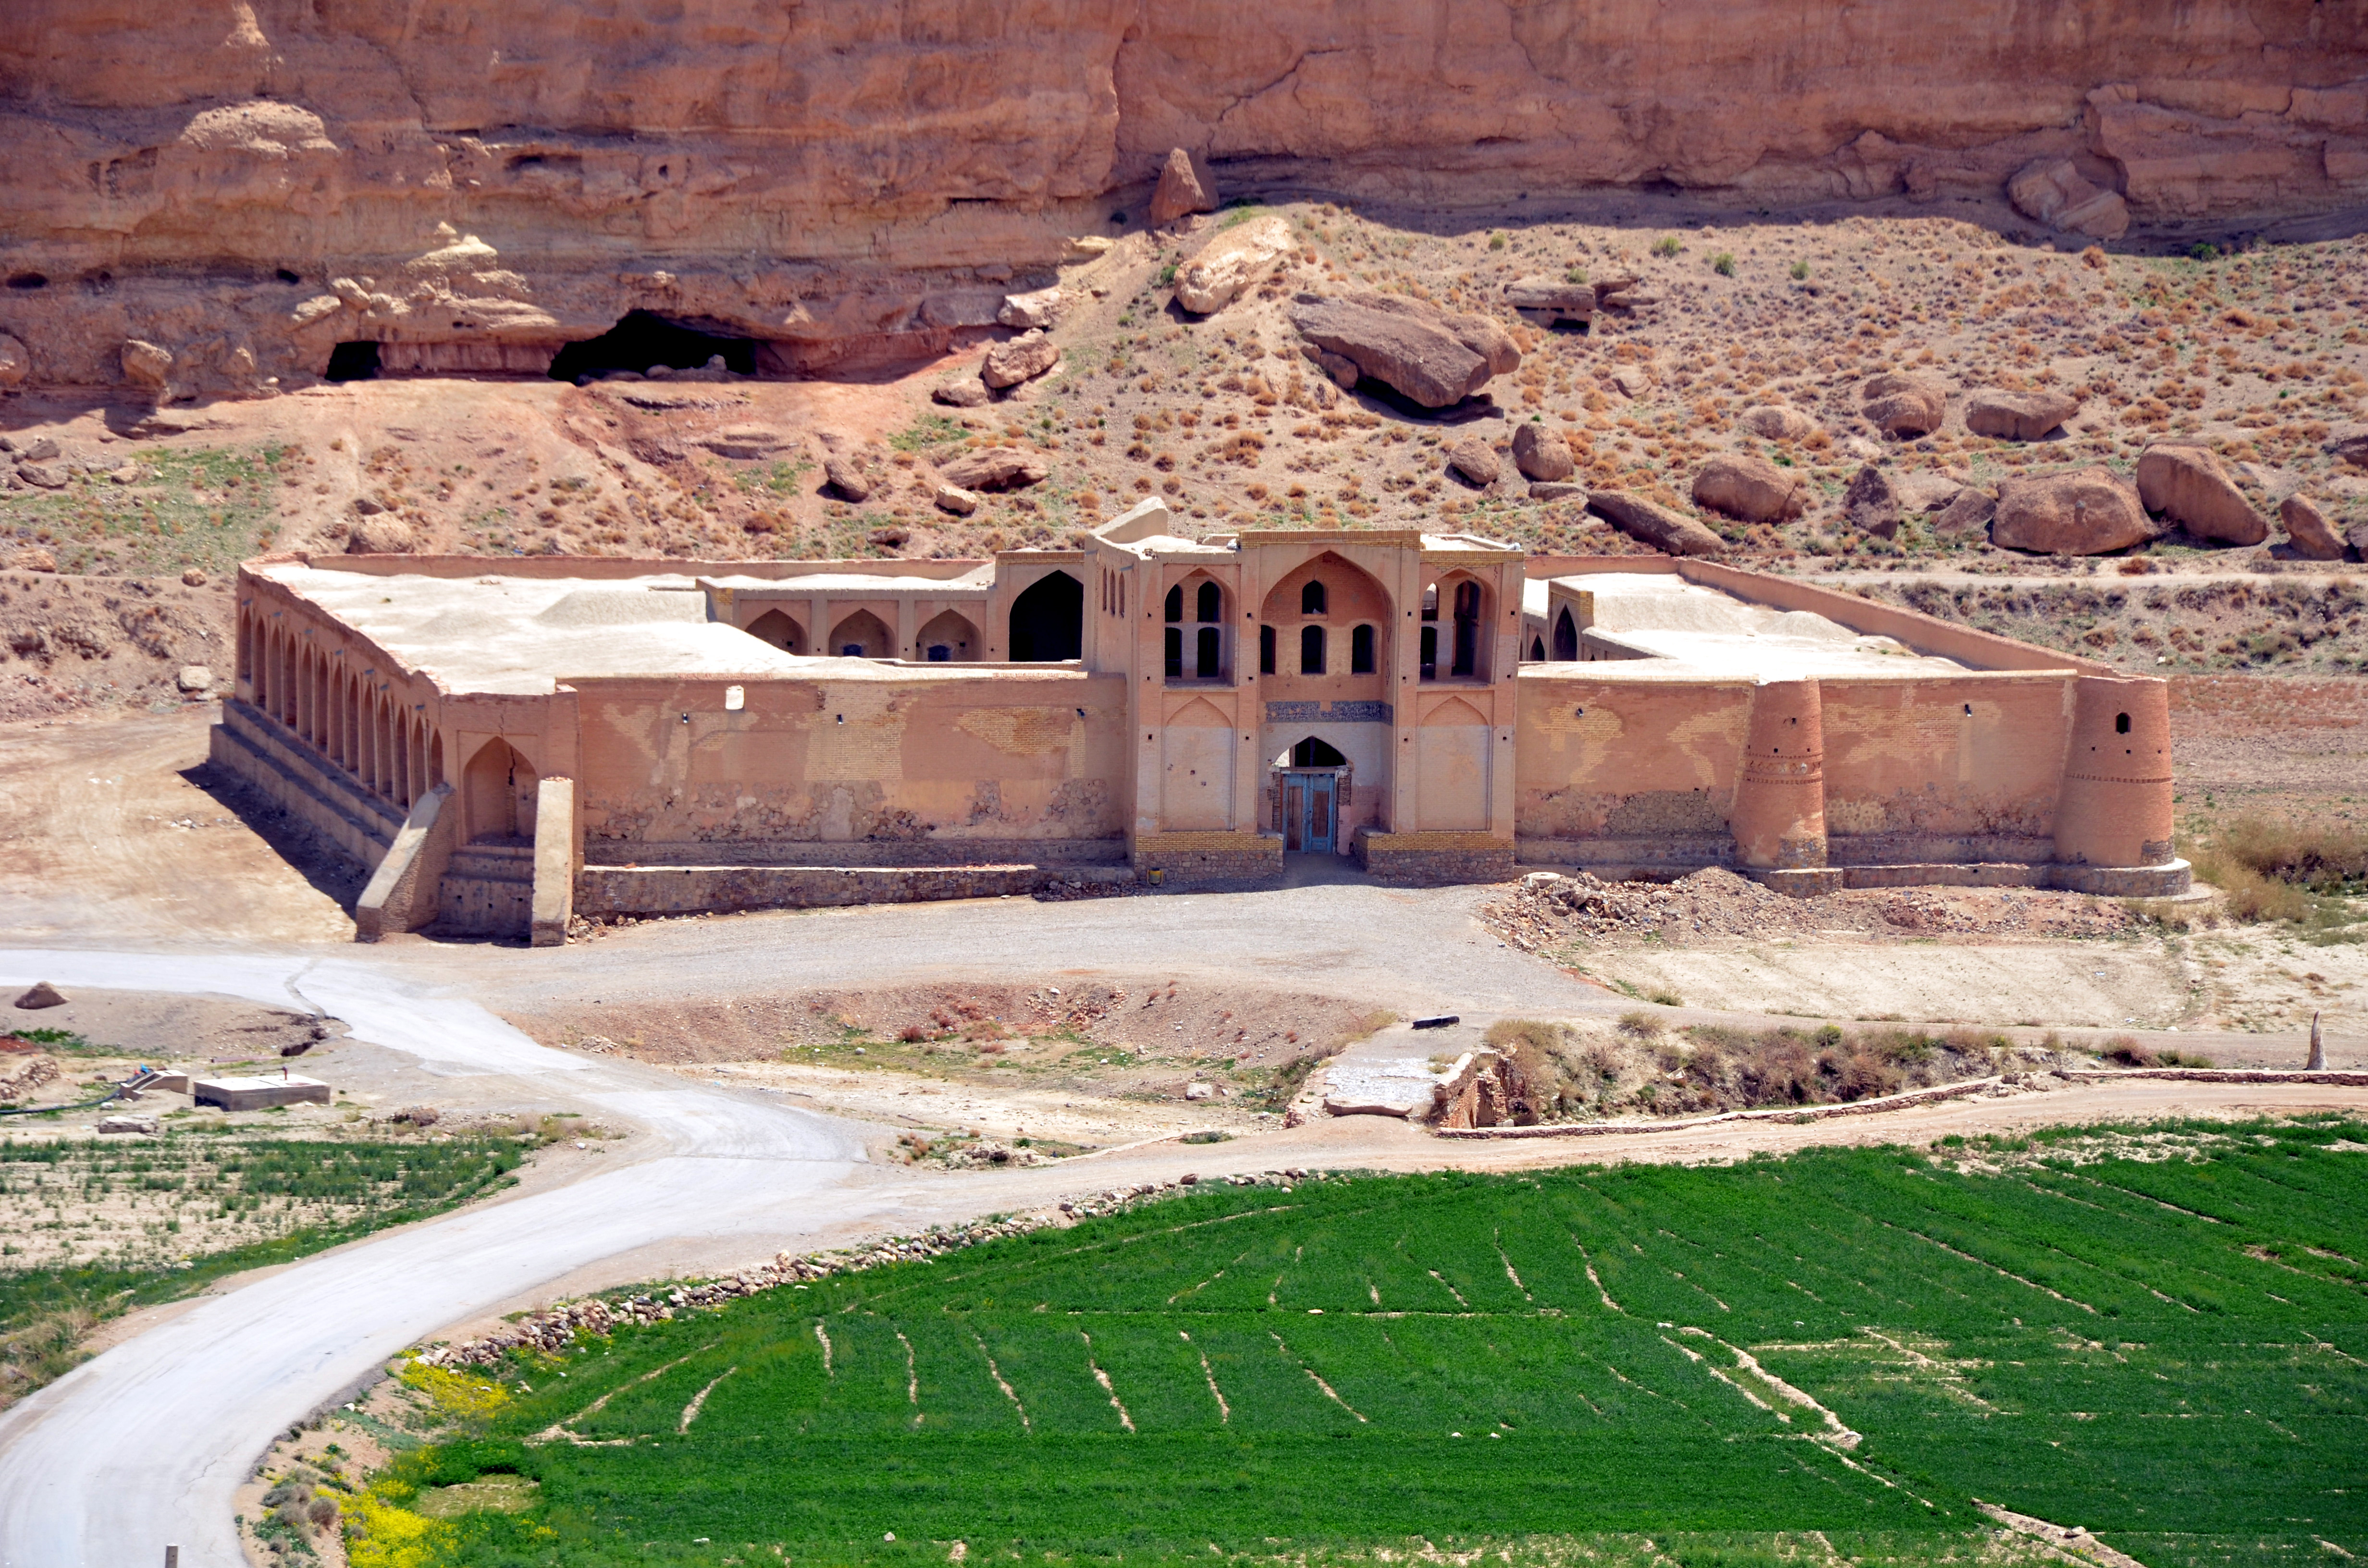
(380, 535)
(961, 394)
(1038, 308)
(1237, 259)
(1024, 359)
(2086, 511)
(1665, 530)
(1475, 459)
(2356, 536)
(1542, 454)
(844, 476)
(1774, 422)
(1185, 187)
(15, 363)
(146, 364)
(2349, 443)
(2307, 529)
(2188, 485)
(2018, 415)
(1906, 407)
(1871, 504)
(1549, 301)
(1968, 511)
(42, 994)
(2054, 191)
(1431, 356)
(996, 467)
(1750, 488)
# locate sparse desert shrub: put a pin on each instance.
(1667, 246)
(2123, 1051)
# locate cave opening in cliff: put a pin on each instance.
(356, 361)
(644, 339)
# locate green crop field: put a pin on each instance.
(2159, 1335)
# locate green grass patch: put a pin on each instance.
(210, 508)
(2157, 1332)
(928, 430)
(177, 1213)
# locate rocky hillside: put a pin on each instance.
(242, 185)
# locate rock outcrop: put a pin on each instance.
(1431, 356)
(1185, 187)
(1752, 489)
(2086, 511)
(2188, 485)
(1906, 407)
(1550, 301)
(229, 163)
(2018, 417)
(1238, 258)
(1542, 455)
(2055, 192)
(2307, 529)
(1672, 533)
(996, 467)
(1024, 359)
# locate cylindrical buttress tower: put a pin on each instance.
(1779, 820)
(2115, 806)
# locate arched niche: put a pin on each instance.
(498, 786)
(862, 635)
(1048, 621)
(1348, 664)
(949, 639)
(1565, 635)
(1457, 611)
(778, 630)
(1199, 640)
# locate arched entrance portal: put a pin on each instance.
(948, 640)
(1311, 787)
(1048, 621)
(499, 787)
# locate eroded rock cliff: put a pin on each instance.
(247, 183)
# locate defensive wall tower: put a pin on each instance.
(1778, 817)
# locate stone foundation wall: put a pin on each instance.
(333, 808)
(1191, 859)
(1434, 859)
(690, 890)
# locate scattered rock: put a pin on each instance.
(36, 560)
(380, 536)
(956, 499)
(418, 1115)
(1474, 460)
(1232, 262)
(2188, 485)
(1870, 505)
(15, 363)
(1029, 312)
(111, 1124)
(1542, 454)
(367, 507)
(195, 578)
(196, 677)
(745, 442)
(42, 994)
(2085, 511)
(2349, 443)
(2056, 192)
(130, 473)
(1435, 357)
(887, 539)
(1557, 490)
(1549, 301)
(1906, 407)
(2308, 530)
(1200, 1089)
(1340, 368)
(961, 394)
(39, 450)
(1024, 359)
(1773, 422)
(48, 476)
(1750, 488)
(2018, 417)
(1633, 382)
(1655, 525)
(1185, 187)
(2356, 536)
(1091, 245)
(840, 472)
(996, 467)
(1967, 511)
(146, 364)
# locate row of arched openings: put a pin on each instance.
(346, 714)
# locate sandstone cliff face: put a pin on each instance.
(870, 171)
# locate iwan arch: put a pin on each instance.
(505, 743)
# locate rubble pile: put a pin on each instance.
(1549, 909)
(555, 1329)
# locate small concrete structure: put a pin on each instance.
(508, 743)
(259, 1094)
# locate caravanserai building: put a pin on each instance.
(506, 743)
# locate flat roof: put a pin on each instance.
(521, 636)
(1687, 629)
